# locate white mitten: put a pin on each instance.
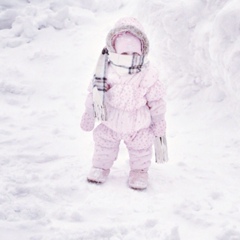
(88, 120)
(158, 126)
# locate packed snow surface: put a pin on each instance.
(48, 51)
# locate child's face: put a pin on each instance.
(128, 44)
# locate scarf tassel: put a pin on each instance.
(100, 86)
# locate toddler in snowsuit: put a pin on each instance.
(133, 108)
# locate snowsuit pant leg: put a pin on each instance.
(140, 149)
(106, 147)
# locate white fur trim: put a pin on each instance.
(128, 28)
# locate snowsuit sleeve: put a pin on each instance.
(155, 99)
(88, 117)
(157, 106)
(89, 98)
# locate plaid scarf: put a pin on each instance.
(130, 64)
(100, 86)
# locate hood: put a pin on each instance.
(128, 25)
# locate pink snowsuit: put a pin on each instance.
(135, 110)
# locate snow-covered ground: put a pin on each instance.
(48, 50)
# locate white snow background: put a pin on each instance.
(48, 51)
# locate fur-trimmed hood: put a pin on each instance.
(131, 25)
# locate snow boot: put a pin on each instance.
(138, 179)
(98, 175)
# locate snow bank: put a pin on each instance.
(25, 20)
(196, 44)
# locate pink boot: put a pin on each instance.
(98, 175)
(138, 179)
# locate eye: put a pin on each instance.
(130, 53)
(135, 53)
